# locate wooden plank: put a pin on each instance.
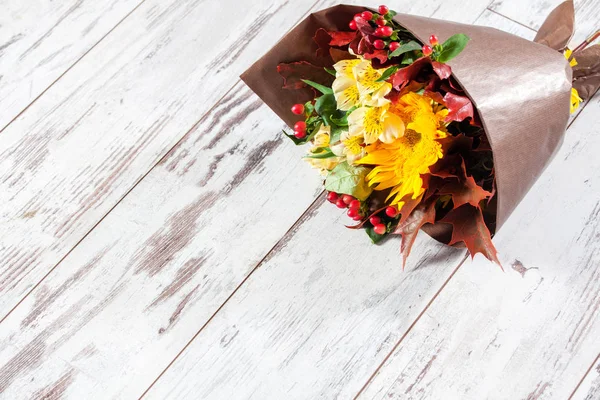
(132, 294)
(536, 325)
(589, 389)
(533, 14)
(79, 149)
(315, 320)
(41, 39)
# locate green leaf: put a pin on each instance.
(405, 48)
(318, 86)
(326, 106)
(375, 238)
(308, 138)
(327, 154)
(349, 179)
(452, 47)
(336, 133)
(340, 121)
(308, 108)
(330, 71)
(294, 139)
(387, 73)
(409, 58)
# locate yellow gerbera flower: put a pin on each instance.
(356, 84)
(575, 100)
(375, 123)
(399, 165)
(420, 115)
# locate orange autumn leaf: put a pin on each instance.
(422, 214)
(465, 190)
(469, 227)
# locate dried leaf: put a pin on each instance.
(381, 55)
(341, 38)
(422, 214)
(465, 190)
(459, 107)
(293, 73)
(412, 71)
(469, 227)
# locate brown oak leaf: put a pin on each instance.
(469, 227)
(422, 214)
(465, 190)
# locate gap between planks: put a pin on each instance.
(60, 77)
(587, 372)
(158, 161)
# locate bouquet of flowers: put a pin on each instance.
(412, 132)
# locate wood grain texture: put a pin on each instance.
(77, 151)
(535, 325)
(589, 389)
(41, 39)
(315, 320)
(533, 13)
(133, 293)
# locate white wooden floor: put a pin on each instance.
(160, 239)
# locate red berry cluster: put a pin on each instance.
(427, 49)
(383, 30)
(300, 126)
(354, 211)
(346, 201)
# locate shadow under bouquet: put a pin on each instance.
(418, 123)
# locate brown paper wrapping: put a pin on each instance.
(521, 90)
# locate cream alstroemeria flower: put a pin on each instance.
(356, 84)
(344, 86)
(375, 123)
(320, 142)
(350, 148)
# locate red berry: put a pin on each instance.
(353, 212)
(367, 15)
(391, 212)
(379, 229)
(357, 218)
(354, 204)
(380, 21)
(379, 44)
(353, 25)
(383, 10)
(300, 134)
(427, 50)
(384, 31)
(347, 198)
(375, 220)
(300, 126)
(358, 18)
(332, 197)
(357, 15)
(433, 40)
(340, 203)
(298, 108)
(394, 46)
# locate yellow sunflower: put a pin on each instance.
(399, 164)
